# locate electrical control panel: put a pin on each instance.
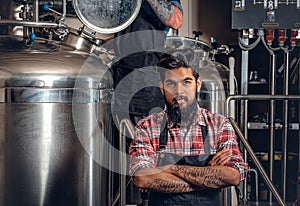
(265, 14)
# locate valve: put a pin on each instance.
(281, 36)
(32, 38)
(197, 34)
(269, 36)
(46, 7)
(293, 39)
(26, 12)
(214, 43)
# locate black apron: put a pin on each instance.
(206, 197)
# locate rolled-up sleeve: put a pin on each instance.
(229, 141)
(142, 154)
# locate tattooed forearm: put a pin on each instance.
(159, 180)
(169, 186)
(209, 177)
(163, 9)
(212, 181)
(168, 14)
(183, 178)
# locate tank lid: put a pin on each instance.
(45, 65)
(107, 16)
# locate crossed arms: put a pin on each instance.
(182, 178)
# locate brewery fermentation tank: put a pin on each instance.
(56, 136)
(49, 110)
(215, 86)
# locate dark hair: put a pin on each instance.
(174, 59)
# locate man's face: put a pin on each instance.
(180, 86)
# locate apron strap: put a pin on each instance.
(163, 137)
(204, 131)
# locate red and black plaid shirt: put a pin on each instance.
(182, 141)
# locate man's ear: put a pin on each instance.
(161, 86)
(199, 84)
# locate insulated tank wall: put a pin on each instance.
(52, 131)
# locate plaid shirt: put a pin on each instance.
(182, 141)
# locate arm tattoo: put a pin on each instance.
(163, 9)
(169, 186)
(201, 176)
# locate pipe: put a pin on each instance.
(24, 11)
(36, 11)
(272, 119)
(285, 124)
(4, 22)
(117, 197)
(257, 163)
(190, 18)
(256, 184)
(258, 97)
(64, 10)
(123, 162)
(227, 193)
(244, 104)
(298, 175)
(244, 76)
(126, 127)
(245, 129)
(231, 62)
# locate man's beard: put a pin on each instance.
(179, 115)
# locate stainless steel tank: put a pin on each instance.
(49, 110)
(57, 144)
(215, 86)
(9, 10)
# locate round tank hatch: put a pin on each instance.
(107, 16)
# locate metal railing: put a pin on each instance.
(247, 146)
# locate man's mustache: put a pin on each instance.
(179, 97)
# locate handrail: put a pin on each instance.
(257, 97)
(257, 163)
(272, 98)
(127, 124)
(125, 127)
